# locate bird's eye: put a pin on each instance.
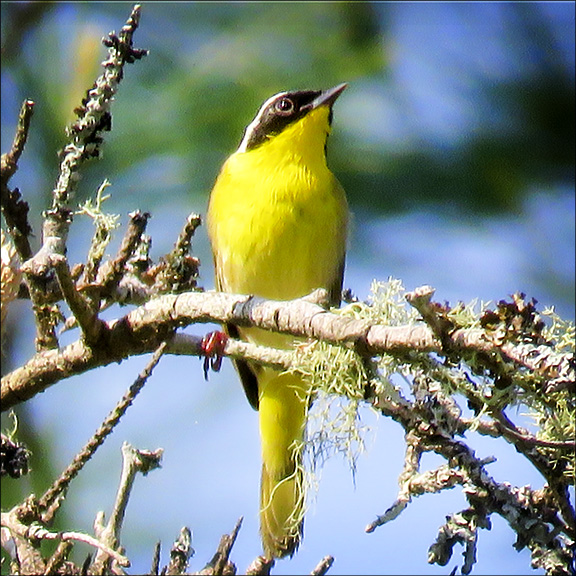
(284, 106)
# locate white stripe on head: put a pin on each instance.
(252, 126)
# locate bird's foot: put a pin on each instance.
(213, 345)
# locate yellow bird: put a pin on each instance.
(277, 222)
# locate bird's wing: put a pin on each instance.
(246, 371)
(335, 291)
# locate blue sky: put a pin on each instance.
(209, 434)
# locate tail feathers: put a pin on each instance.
(282, 403)
(281, 512)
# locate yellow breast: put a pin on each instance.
(277, 217)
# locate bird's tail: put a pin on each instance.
(283, 402)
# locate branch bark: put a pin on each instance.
(145, 328)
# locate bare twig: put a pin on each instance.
(27, 556)
(27, 537)
(494, 429)
(550, 550)
(85, 139)
(413, 483)
(411, 468)
(43, 534)
(261, 565)
(155, 568)
(14, 208)
(113, 271)
(178, 270)
(133, 462)
(85, 314)
(180, 553)
(432, 314)
(57, 559)
(323, 566)
(94, 115)
(220, 563)
(54, 493)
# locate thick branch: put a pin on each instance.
(145, 328)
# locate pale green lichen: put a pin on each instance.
(560, 332)
(104, 223)
(340, 378)
(526, 365)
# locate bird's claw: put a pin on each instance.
(212, 347)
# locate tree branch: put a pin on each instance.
(133, 462)
(50, 500)
(142, 331)
(550, 550)
(85, 139)
(220, 563)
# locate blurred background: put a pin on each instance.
(455, 144)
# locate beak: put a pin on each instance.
(328, 97)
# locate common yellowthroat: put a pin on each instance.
(277, 222)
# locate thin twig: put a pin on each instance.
(412, 458)
(178, 270)
(515, 505)
(94, 115)
(557, 485)
(15, 209)
(133, 462)
(53, 494)
(220, 563)
(86, 316)
(27, 554)
(42, 533)
(261, 565)
(10, 159)
(180, 553)
(494, 429)
(85, 137)
(155, 568)
(59, 557)
(421, 299)
(323, 566)
(112, 272)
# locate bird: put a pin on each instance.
(277, 223)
